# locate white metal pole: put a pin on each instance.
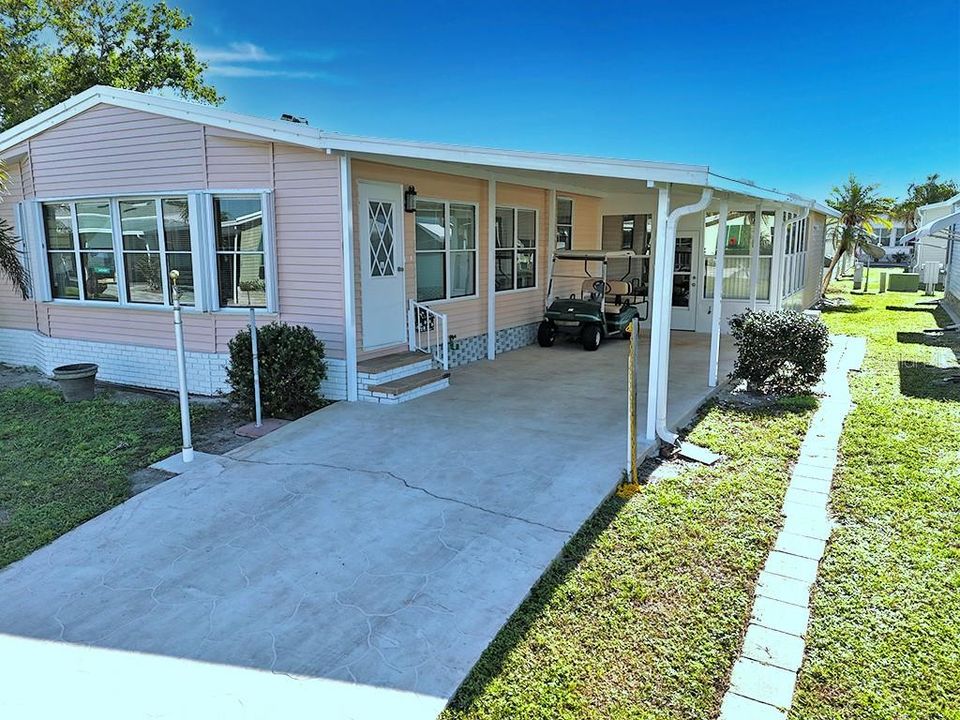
(349, 304)
(491, 268)
(181, 370)
(717, 316)
(256, 367)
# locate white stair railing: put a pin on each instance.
(427, 333)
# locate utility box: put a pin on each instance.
(906, 282)
(930, 275)
(857, 276)
(883, 282)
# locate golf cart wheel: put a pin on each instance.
(590, 336)
(546, 333)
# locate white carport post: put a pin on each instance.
(349, 306)
(779, 259)
(491, 268)
(716, 318)
(656, 309)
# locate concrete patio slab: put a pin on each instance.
(366, 550)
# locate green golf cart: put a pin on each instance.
(603, 308)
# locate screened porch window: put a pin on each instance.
(446, 249)
(737, 259)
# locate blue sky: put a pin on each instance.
(787, 94)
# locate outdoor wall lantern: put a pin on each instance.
(410, 199)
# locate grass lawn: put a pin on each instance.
(884, 639)
(643, 613)
(61, 464)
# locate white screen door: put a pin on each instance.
(381, 265)
(685, 281)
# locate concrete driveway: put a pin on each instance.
(352, 564)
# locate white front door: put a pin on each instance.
(381, 265)
(685, 287)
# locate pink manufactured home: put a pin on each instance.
(406, 259)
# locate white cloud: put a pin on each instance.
(243, 71)
(248, 60)
(236, 52)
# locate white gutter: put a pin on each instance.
(660, 334)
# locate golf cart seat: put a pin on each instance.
(619, 298)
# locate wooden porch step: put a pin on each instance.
(409, 384)
(394, 361)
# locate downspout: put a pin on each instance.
(713, 369)
(665, 290)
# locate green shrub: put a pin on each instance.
(291, 368)
(781, 352)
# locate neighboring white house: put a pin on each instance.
(891, 240)
(937, 238)
(932, 247)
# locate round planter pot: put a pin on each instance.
(76, 381)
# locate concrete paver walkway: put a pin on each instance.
(353, 564)
(764, 677)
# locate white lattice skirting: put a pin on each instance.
(137, 365)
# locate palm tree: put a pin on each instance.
(932, 190)
(860, 208)
(11, 263)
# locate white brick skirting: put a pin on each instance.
(137, 365)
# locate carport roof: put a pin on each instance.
(304, 135)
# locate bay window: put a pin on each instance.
(516, 251)
(122, 250)
(446, 250)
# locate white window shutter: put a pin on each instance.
(37, 250)
(270, 252)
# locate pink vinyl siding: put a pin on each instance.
(106, 148)
(309, 247)
(115, 151)
(237, 163)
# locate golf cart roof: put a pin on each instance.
(594, 254)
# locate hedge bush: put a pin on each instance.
(291, 368)
(782, 352)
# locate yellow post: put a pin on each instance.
(632, 484)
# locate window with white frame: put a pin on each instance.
(516, 258)
(118, 250)
(446, 250)
(156, 240)
(121, 250)
(564, 223)
(241, 257)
